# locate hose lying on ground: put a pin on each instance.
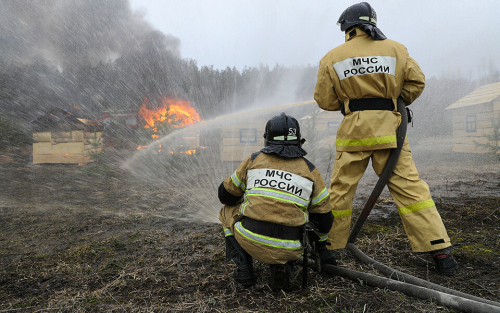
(442, 298)
(406, 278)
(400, 281)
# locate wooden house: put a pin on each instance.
(475, 118)
(240, 140)
(320, 128)
(59, 137)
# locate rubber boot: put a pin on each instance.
(244, 271)
(326, 256)
(280, 277)
(445, 263)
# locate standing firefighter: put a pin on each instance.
(363, 79)
(268, 199)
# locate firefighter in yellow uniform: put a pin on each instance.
(268, 199)
(363, 79)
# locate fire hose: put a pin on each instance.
(399, 281)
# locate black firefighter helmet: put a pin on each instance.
(361, 15)
(357, 14)
(282, 137)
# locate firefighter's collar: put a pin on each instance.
(365, 30)
(355, 32)
(286, 151)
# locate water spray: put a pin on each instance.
(194, 179)
(230, 116)
(275, 108)
(196, 196)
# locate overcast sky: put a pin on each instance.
(445, 37)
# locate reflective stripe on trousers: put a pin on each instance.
(265, 240)
(421, 220)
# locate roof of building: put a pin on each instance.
(57, 119)
(483, 94)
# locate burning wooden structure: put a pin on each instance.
(236, 139)
(475, 119)
(59, 137)
(168, 114)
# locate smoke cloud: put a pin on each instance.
(75, 33)
(92, 54)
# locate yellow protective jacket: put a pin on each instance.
(366, 68)
(279, 190)
(278, 196)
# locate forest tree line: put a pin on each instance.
(74, 56)
(29, 91)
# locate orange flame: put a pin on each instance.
(176, 112)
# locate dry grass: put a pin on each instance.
(76, 240)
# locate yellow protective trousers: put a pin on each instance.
(265, 253)
(227, 216)
(421, 220)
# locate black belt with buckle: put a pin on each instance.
(369, 104)
(272, 230)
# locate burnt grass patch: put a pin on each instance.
(86, 239)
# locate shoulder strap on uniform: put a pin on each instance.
(255, 154)
(309, 164)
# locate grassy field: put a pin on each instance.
(93, 239)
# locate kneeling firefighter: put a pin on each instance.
(268, 200)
